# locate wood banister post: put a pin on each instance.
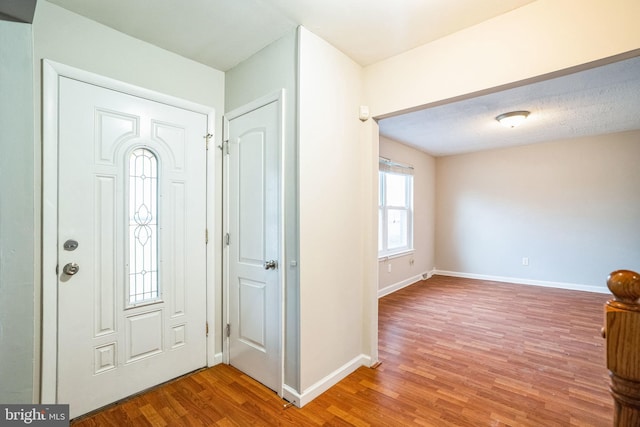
(622, 334)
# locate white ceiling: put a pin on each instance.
(596, 101)
(223, 33)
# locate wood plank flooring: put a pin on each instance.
(454, 352)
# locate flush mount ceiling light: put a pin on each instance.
(512, 119)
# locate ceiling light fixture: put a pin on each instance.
(512, 119)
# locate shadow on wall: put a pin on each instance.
(18, 11)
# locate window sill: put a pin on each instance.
(396, 255)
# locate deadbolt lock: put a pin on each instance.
(70, 245)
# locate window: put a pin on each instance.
(395, 208)
(143, 227)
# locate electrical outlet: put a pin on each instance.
(389, 268)
(525, 260)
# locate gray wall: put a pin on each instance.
(16, 214)
(572, 207)
(62, 36)
(270, 70)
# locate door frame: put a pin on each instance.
(51, 74)
(278, 98)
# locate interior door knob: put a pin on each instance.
(70, 269)
(271, 265)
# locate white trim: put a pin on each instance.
(225, 248)
(49, 348)
(212, 247)
(372, 133)
(51, 72)
(519, 281)
(283, 239)
(384, 209)
(404, 283)
(279, 98)
(301, 399)
(216, 359)
(393, 255)
(291, 395)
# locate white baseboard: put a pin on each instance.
(410, 281)
(217, 359)
(301, 399)
(559, 285)
(290, 395)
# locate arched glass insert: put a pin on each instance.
(143, 227)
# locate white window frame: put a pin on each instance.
(387, 167)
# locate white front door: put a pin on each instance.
(131, 244)
(253, 255)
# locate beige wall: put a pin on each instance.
(407, 269)
(334, 211)
(539, 38)
(337, 259)
(572, 207)
(543, 38)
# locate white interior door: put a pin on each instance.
(254, 245)
(132, 221)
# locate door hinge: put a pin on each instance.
(225, 147)
(207, 138)
(228, 330)
(206, 236)
(227, 239)
(206, 328)
(57, 269)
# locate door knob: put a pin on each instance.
(70, 269)
(271, 265)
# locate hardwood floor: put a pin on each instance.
(454, 352)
